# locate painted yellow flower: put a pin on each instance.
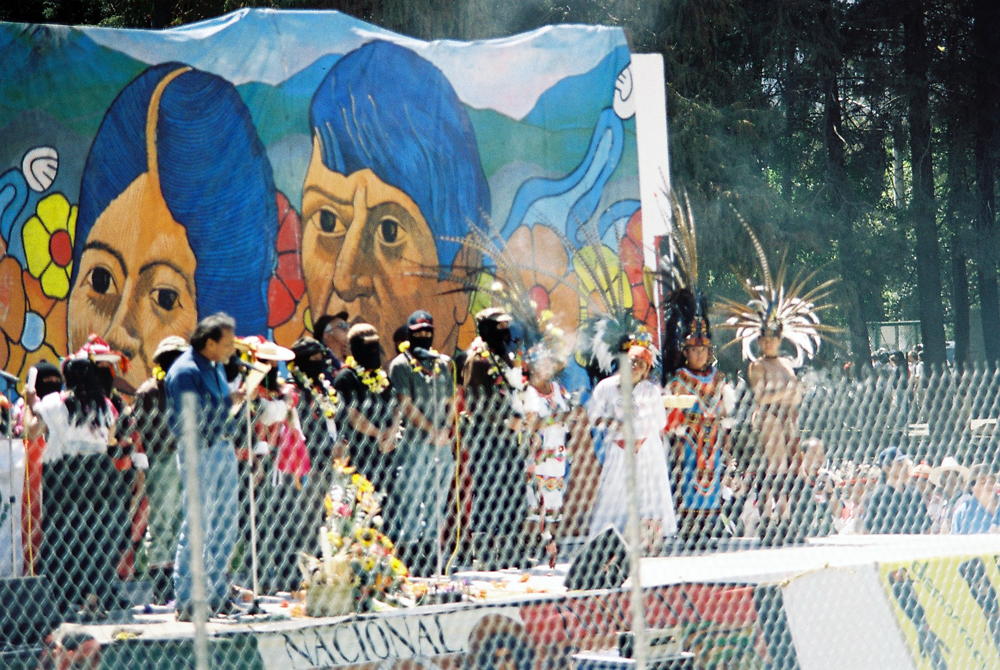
(48, 238)
(398, 567)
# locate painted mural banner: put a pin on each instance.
(284, 165)
(948, 610)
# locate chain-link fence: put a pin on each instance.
(495, 529)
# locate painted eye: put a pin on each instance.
(166, 298)
(389, 228)
(327, 221)
(101, 280)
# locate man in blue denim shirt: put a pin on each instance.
(199, 372)
(977, 511)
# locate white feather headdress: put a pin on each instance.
(790, 313)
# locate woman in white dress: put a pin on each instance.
(656, 507)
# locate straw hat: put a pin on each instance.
(263, 350)
(948, 464)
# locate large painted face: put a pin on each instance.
(367, 249)
(135, 282)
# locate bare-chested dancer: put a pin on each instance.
(778, 393)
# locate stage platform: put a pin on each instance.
(845, 602)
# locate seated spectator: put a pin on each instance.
(949, 481)
(976, 511)
(895, 506)
(812, 501)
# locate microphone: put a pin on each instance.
(9, 377)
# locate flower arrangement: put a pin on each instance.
(358, 566)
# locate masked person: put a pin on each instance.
(499, 497)
(82, 511)
(48, 380)
(127, 452)
(163, 479)
(423, 382)
(365, 417)
(316, 409)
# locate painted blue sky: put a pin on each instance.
(518, 76)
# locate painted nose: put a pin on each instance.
(352, 276)
(123, 331)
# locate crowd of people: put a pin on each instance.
(471, 456)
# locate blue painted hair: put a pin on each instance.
(385, 108)
(214, 175)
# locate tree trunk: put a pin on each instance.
(960, 303)
(923, 210)
(850, 259)
(162, 13)
(898, 158)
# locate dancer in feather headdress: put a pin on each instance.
(775, 313)
(701, 398)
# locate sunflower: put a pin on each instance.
(398, 567)
(366, 536)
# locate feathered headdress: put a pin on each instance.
(789, 313)
(501, 283)
(685, 308)
(610, 327)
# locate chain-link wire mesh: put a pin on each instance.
(508, 507)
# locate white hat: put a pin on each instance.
(948, 464)
(263, 350)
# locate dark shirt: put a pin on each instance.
(193, 373)
(331, 363)
(378, 409)
(428, 391)
(888, 510)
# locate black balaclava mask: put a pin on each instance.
(305, 348)
(107, 378)
(422, 339)
(367, 352)
(49, 379)
(167, 359)
(497, 339)
(271, 378)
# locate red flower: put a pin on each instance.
(639, 278)
(288, 284)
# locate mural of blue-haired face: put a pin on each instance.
(177, 217)
(394, 182)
